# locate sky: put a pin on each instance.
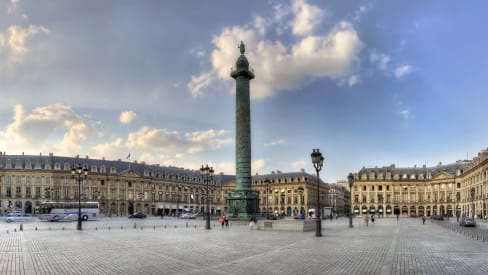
(369, 83)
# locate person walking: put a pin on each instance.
(366, 219)
(423, 219)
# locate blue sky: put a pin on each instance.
(368, 83)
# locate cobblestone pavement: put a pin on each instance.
(155, 246)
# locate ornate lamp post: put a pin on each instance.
(318, 162)
(350, 179)
(79, 170)
(267, 181)
(472, 199)
(207, 173)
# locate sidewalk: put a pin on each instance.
(386, 246)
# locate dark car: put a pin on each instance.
(138, 215)
(467, 222)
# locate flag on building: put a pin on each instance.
(128, 156)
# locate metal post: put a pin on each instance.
(267, 198)
(318, 161)
(78, 171)
(350, 179)
(207, 173)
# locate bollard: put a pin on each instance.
(21, 227)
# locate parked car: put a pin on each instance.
(17, 217)
(137, 215)
(188, 216)
(467, 222)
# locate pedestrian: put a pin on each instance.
(222, 221)
(252, 223)
(372, 218)
(366, 219)
(423, 219)
(398, 215)
(226, 220)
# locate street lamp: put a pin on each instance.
(318, 162)
(350, 179)
(207, 173)
(79, 170)
(472, 199)
(267, 181)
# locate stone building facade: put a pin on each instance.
(454, 190)
(122, 187)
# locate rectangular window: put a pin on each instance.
(9, 191)
(38, 192)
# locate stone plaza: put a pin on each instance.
(172, 246)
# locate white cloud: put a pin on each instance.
(299, 164)
(198, 52)
(402, 71)
(307, 17)
(279, 67)
(53, 128)
(127, 117)
(162, 140)
(16, 39)
(278, 142)
(210, 139)
(198, 83)
(257, 165)
(405, 114)
(353, 80)
(362, 11)
(12, 6)
(380, 59)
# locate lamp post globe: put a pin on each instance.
(318, 162)
(78, 171)
(350, 180)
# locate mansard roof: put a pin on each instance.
(433, 171)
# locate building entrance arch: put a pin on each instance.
(396, 210)
(405, 210)
(413, 211)
(28, 207)
(421, 211)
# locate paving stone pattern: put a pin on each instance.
(170, 246)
